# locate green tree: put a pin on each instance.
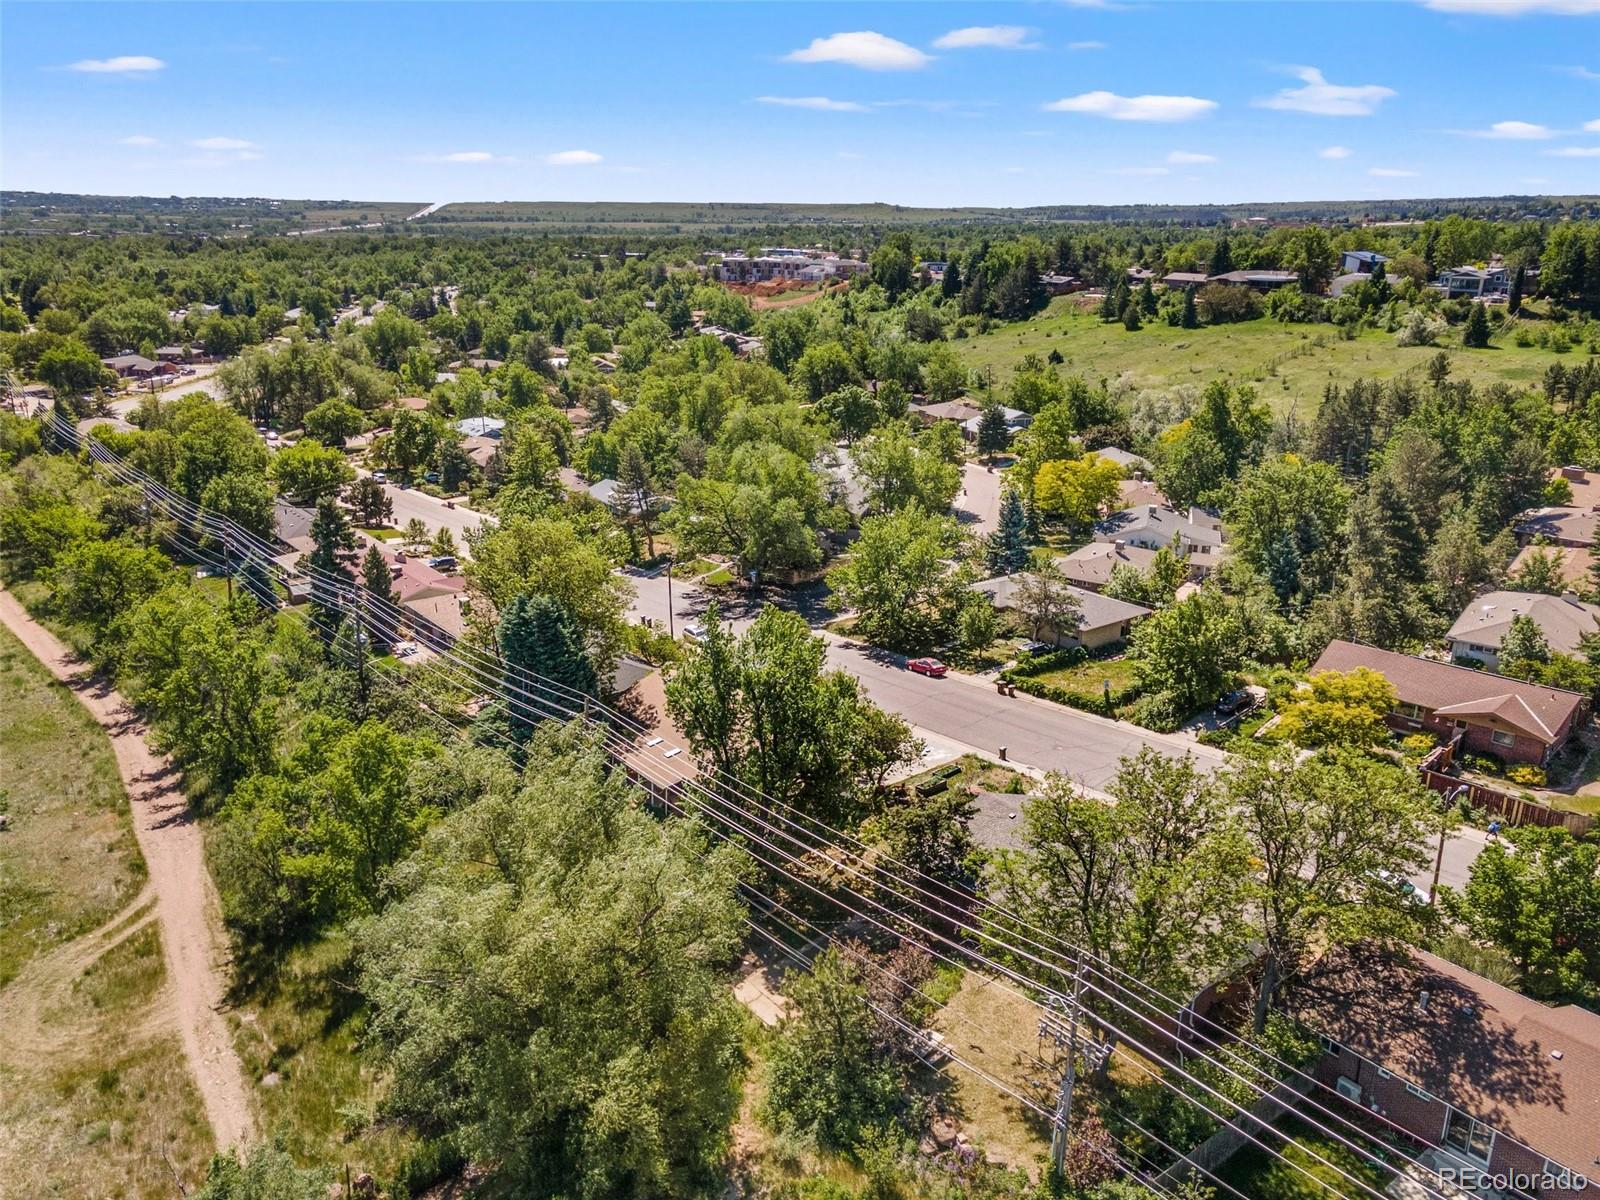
(369, 501)
(95, 583)
(850, 411)
(896, 471)
(994, 435)
(1075, 490)
(310, 472)
(1189, 319)
(824, 368)
(826, 1076)
(1321, 831)
(1541, 572)
(333, 421)
(71, 368)
(1006, 549)
(583, 1038)
(1536, 896)
(1476, 334)
(546, 668)
(1186, 654)
(1339, 709)
(1523, 644)
(1049, 605)
(268, 1172)
(898, 578)
(245, 499)
(1286, 519)
(413, 441)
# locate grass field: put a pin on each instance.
(1260, 1177)
(1088, 678)
(1290, 365)
(89, 1097)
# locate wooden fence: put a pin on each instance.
(1518, 810)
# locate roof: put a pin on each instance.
(1094, 610)
(1585, 485)
(480, 449)
(1123, 458)
(136, 362)
(949, 410)
(1562, 620)
(293, 524)
(1477, 1046)
(1572, 524)
(481, 426)
(1132, 492)
(1183, 277)
(1367, 256)
(1573, 562)
(1453, 691)
(1093, 564)
(414, 403)
(442, 610)
(996, 822)
(1164, 523)
(1256, 277)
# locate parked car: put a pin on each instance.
(1037, 647)
(380, 477)
(443, 562)
(1399, 884)
(931, 667)
(431, 477)
(1234, 702)
(695, 633)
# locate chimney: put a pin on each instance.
(1152, 510)
(1570, 597)
(1422, 1000)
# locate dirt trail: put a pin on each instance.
(186, 903)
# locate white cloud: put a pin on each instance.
(865, 49)
(1516, 8)
(222, 143)
(1328, 99)
(1580, 73)
(123, 64)
(992, 37)
(1134, 108)
(1514, 131)
(1575, 152)
(466, 156)
(1086, 45)
(1391, 173)
(1138, 171)
(572, 158)
(1187, 157)
(818, 103)
(138, 139)
(1592, 126)
(1335, 152)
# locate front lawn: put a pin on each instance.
(1088, 678)
(1262, 1177)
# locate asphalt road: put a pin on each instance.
(409, 503)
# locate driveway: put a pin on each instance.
(977, 507)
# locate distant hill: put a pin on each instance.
(48, 212)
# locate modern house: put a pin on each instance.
(1259, 280)
(1473, 282)
(1562, 525)
(1102, 621)
(1515, 721)
(1483, 624)
(1491, 1080)
(1360, 262)
(1091, 566)
(1195, 536)
(786, 262)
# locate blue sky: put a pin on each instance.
(939, 104)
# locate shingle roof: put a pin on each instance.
(1093, 564)
(1573, 562)
(1459, 691)
(1573, 524)
(1563, 622)
(1478, 1046)
(1095, 611)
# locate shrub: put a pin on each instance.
(1160, 712)
(1419, 329)
(1527, 775)
(1417, 745)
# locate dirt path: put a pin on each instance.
(186, 903)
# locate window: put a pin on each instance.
(1411, 710)
(1329, 1046)
(1473, 1138)
(1383, 1072)
(1418, 1092)
(1501, 738)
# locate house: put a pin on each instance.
(1573, 563)
(1102, 621)
(1195, 535)
(1016, 421)
(414, 403)
(1494, 1081)
(1360, 262)
(1515, 721)
(137, 366)
(1476, 282)
(1260, 280)
(1564, 525)
(1091, 566)
(959, 411)
(293, 525)
(1483, 624)
(1138, 493)
(1125, 459)
(480, 449)
(173, 354)
(1585, 485)
(610, 493)
(482, 427)
(1183, 279)
(439, 620)
(1060, 285)
(1140, 275)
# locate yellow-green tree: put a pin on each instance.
(1339, 708)
(1073, 490)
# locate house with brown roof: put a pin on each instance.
(950, 410)
(1573, 563)
(1561, 524)
(1102, 621)
(1585, 485)
(1515, 721)
(1091, 566)
(1494, 1081)
(1563, 620)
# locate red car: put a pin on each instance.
(930, 667)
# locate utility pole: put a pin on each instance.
(1444, 826)
(670, 632)
(1062, 1120)
(227, 564)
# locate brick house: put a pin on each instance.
(1516, 722)
(1495, 1081)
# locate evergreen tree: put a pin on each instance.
(1514, 300)
(331, 537)
(378, 582)
(950, 285)
(1147, 300)
(1221, 258)
(1007, 549)
(1476, 335)
(546, 665)
(1191, 319)
(1130, 317)
(994, 435)
(1031, 511)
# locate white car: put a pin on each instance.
(695, 633)
(380, 477)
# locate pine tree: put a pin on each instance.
(331, 537)
(1476, 335)
(994, 435)
(1514, 300)
(1031, 510)
(1130, 317)
(547, 669)
(1221, 258)
(1007, 549)
(1147, 300)
(950, 285)
(1191, 319)
(378, 582)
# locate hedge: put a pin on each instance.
(1028, 666)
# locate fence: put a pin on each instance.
(1519, 810)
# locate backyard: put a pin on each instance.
(1298, 1175)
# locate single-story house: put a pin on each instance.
(480, 449)
(1565, 525)
(174, 354)
(958, 411)
(489, 427)
(1515, 721)
(1126, 459)
(485, 364)
(1016, 421)
(1184, 279)
(1091, 566)
(1585, 485)
(438, 620)
(1060, 285)
(1573, 562)
(1101, 620)
(293, 525)
(1496, 1082)
(1138, 275)
(1484, 623)
(1260, 280)
(1195, 535)
(1360, 262)
(609, 492)
(137, 366)
(106, 425)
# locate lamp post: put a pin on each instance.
(1444, 826)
